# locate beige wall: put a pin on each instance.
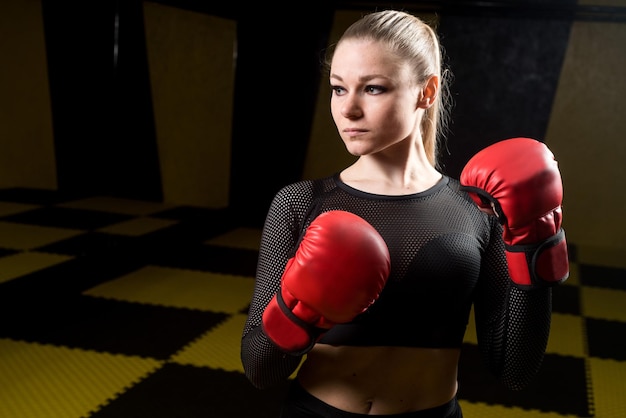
(26, 142)
(191, 62)
(587, 132)
(326, 152)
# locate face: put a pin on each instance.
(374, 102)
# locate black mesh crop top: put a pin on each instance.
(445, 256)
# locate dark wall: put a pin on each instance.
(103, 125)
(277, 79)
(506, 70)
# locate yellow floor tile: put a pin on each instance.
(567, 336)
(603, 303)
(481, 410)
(218, 349)
(470, 332)
(10, 208)
(609, 387)
(245, 238)
(179, 288)
(42, 381)
(16, 265)
(138, 226)
(26, 237)
(602, 256)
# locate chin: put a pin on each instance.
(356, 151)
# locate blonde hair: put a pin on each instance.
(416, 42)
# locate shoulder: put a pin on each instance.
(298, 196)
(470, 207)
(455, 186)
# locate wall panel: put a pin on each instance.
(587, 132)
(191, 61)
(26, 141)
(326, 152)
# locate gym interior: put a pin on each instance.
(141, 143)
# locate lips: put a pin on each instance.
(353, 133)
(354, 130)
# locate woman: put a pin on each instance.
(397, 356)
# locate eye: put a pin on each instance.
(373, 89)
(338, 90)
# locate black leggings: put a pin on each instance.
(301, 404)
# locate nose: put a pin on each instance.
(351, 107)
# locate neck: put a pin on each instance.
(372, 175)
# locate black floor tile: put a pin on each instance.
(209, 258)
(606, 339)
(110, 326)
(67, 218)
(36, 196)
(177, 391)
(560, 385)
(5, 252)
(96, 244)
(601, 276)
(566, 299)
(68, 278)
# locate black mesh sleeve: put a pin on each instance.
(512, 324)
(264, 364)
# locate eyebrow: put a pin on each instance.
(361, 79)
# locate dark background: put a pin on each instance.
(507, 58)
(120, 102)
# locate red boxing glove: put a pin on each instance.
(520, 181)
(337, 272)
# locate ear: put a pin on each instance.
(429, 92)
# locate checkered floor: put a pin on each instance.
(127, 309)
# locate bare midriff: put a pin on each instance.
(380, 380)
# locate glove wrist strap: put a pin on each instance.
(288, 332)
(539, 265)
